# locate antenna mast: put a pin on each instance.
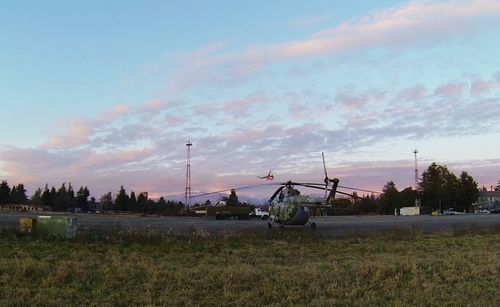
(188, 174)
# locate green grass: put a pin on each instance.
(390, 270)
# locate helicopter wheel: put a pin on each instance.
(269, 225)
(313, 226)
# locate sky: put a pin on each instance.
(106, 93)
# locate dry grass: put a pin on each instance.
(446, 269)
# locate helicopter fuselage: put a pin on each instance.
(286, 209)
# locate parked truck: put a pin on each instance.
(259, 213)
(240, 212)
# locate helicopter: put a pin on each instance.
(268, 177)
(287, 206)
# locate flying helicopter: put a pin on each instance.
(268, 177)
(287, 206)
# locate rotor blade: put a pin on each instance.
(351, 195)
(237, 188)
(276, 193)
(313, 205)
(310, 186)
(358, 189)
(324, 164)
(319, 186)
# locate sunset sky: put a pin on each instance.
(106, 93)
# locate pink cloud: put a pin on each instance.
(154, 106)
(412, 24)
(174, 120)
(119, 157)
(479, 87)
(450, 90)
(413, 93)
(246, 136)
(112, 115)
(242, 106)
(406, 25)
(80, 131)
(208, 109)
(352, 102)
(76, 134)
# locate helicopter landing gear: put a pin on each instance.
(313, 226)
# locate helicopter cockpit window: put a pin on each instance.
(281, 197)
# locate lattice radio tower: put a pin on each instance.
(415, 152)
(188, 174)
(416, 168)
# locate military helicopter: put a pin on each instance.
(268, 177)
(288, 207)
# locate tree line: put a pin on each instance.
(141, 203)
(438, 189)
(66, 199)
(14, 195)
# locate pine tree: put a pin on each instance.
(441, 189)
(121, 200)
(469, 192)
(389, 199)
(46, 201)
(162, 205)
(64, 198)
(132, 203)
(36, 199)
(82, 198)
(4, 193)
(52, 197)
(70, 195)
(142, 202)
(106, 201)
(18, 194)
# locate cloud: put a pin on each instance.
(140, 148)
(77, 133)
(451, 90)
(479, 87)
(416, 92)
(414, 24)
(241, 107)
(153, 106)
(99, 130)
(237, 136)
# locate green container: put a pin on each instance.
(57, 226)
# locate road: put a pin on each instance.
(332, 226)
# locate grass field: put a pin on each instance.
(446, 269)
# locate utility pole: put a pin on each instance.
(188, 174)
(416, 176)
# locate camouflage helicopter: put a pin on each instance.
(288, 207)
